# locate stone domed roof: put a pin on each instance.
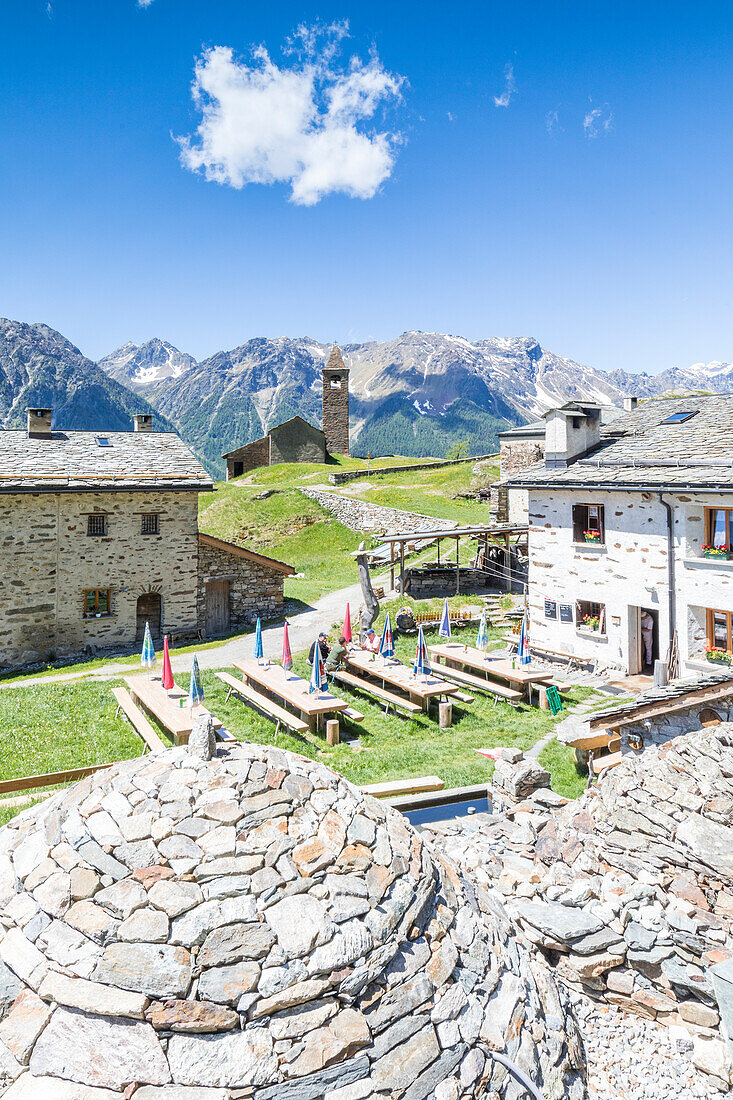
(256, 925)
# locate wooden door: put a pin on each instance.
(217, 607)
(148, 611)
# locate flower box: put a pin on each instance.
(719, 553)
(717, 656)
(592, 536)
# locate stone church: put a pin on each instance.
(296, 440)
(99, 535)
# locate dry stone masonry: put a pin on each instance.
(628, 891)
(360, 515)
(253, 926)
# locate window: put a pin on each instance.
(719, 631)
(335, 383)
(149, 524)
(97, 524)
(680, 417)
(718, 527)
(97, 602)
(103, 441)
(588, 524)
(591, 616)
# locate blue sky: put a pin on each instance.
(593, 211)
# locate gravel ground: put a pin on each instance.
(634, 1059)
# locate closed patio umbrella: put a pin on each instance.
(346, 632)
(147, 657)
(523, 647)
(318, 680)
(259, 652)
(287, 654)
(444, 628)
(421, 667)
(482, 641)
(195, 687)
(386, 645)
(167, 670)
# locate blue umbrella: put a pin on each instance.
(147, 657)
(195, 687)
(523, 647)
(444, 628)
(482, 642)
(421, 667)
(259, 651)
(318, 680)
(386, 646)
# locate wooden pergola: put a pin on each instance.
(497, 533)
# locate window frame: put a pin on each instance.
(91, 518)
(586, 607)
(96, 613)
(710, 631)
(582, 525)
(147, 517)
(709, 516)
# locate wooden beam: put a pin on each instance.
(458, 566)
(50, 779)
(405, 786)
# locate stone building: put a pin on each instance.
(619, 518)
(99, 534)
(336, 403)
(296, 440)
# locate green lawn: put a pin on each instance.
(428, 492)
(560, 762)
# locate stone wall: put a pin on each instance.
(630, 571)
(516, 456)
(360, 515)
(343, 476)
(254, 588)
(252, 456)
(660, 729)
(49, 560)
(297, 441)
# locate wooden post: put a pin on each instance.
(445, 714)
(507, 563)
(391, 565)
(332, 731)
(402, 568)
(458, 566)
(544, 704)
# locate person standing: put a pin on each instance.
(322, 645)
(647, 636)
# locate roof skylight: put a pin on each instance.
(103, 441)
(680, 417)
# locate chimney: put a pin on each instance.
(39, 423)
(630, 404)
(336, 403)
(571, 433)
(143, 422)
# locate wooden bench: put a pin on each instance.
(562, 686)
(137, 719)
(368, 688)
(395, 787)
(609, 760)
(247, 694)
(492, 687)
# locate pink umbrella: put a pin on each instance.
(167, 670)
(347, 625)
(287, 655)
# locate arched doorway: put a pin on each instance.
(148, 611)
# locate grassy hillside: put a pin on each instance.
(266, 511)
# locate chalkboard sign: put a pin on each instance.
(566, 612)
(550, 609)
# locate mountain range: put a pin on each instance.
(415, 395)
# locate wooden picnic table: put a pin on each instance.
(292, 689)
(165, 705)
(499, 668)
(420, 689)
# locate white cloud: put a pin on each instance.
(552, 121)
(144, 3)
(510, 87)
(598, 121)
(301, 124)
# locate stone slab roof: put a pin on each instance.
(638, 450)
(76, 461)
(671, 693)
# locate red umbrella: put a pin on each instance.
(287, 655)
(167, 670)
(347, 625)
